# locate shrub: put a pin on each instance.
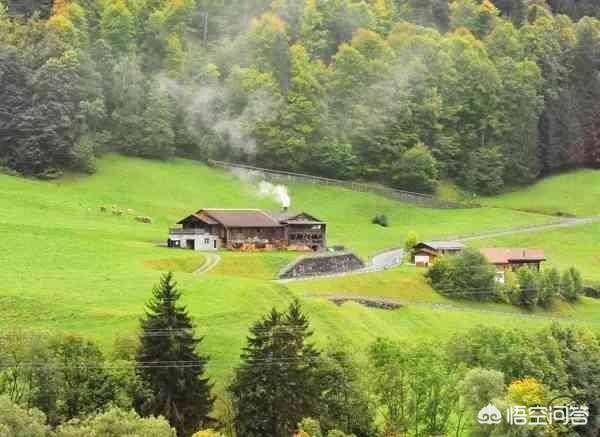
(381, 220)
(468, 275)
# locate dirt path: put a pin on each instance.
(211, 262)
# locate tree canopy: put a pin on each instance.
(487, 93)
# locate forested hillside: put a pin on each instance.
(403, 92)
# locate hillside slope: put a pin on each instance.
(68, 266)
(573, 193)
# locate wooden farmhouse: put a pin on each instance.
(249, 230)
(425, 253)
(513, 259)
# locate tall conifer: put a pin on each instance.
(169, 364)
(276, 384)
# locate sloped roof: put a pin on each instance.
(241, 218)
(426, 250)
(301, 218)
(202, 217)
(442, 245)
(507, 255)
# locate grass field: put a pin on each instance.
(575, 193)
(68, 266)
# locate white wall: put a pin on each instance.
(205, 243)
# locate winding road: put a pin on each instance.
(387, 260)
(565, 223)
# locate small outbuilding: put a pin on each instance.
(425, 253)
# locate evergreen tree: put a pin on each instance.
(550, 286)
(567, 288)
(577, 282)
(169, 364)
(276, 384)
(529, 287)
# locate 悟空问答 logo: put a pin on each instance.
(489, 415)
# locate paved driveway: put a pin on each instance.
(387, 260)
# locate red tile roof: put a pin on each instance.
(508, 255)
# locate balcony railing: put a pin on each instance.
(191, 231)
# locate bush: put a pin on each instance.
(468, 275)
(116, 423)
(17, 421)
(381, 220)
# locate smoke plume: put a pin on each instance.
(277, 192)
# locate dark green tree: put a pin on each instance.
(416, 171)
(344, 401)
(169, 364)
(84, 385)
(157, 120)
(484, 171)
(277, 382)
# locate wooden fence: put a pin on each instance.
(420, 199)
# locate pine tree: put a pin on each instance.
(276, 384)
(169, 365)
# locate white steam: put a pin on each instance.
(277, 192)
(206, 108)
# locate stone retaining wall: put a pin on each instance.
(322, 265)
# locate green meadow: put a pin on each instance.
(574, 193)
(68, 266)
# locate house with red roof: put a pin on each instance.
(513, 259)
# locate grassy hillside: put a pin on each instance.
(66, 265)
(576, 193)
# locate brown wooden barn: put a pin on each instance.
(249, 229)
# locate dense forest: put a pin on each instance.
(402, 92)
